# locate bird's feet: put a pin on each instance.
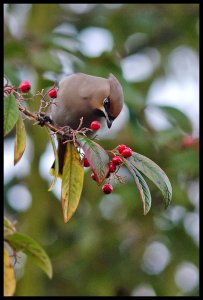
(42, 119)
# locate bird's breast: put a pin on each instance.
(69, 114)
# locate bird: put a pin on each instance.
(85, 96)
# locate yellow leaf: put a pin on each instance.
(72, 181)
(9, 276)
(20, 141)
(54, 171)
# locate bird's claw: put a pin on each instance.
(42, 119)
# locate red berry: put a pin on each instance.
(107, 188)
(116, 160)
(25, 86)
(190, 142)
(127, 152)
(86, 163)
(187, 141)
(93, 176)
(95, 125)
(52, 93)
(121, 147)
(112, 167)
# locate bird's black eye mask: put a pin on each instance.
(99, 113)
(106, 104)
(106, 112)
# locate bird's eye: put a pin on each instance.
(106, 104)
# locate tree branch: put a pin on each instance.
(35, 117)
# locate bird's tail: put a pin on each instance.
(61, 153)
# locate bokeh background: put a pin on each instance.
(109, 248)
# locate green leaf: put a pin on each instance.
(9, 276)
(177, 117)
(142, 186)
(96, 155)
(154, 173)
(11, 113)
(72, 181)
(20, 141)
(22, 242)
(56, 164)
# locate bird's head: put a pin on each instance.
(110, 103)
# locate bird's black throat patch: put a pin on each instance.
(99, 113)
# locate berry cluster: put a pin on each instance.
(115, 162)
(114, 165)
(124, 150)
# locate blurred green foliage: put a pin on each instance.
(99, 253)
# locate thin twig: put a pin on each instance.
(71, 136)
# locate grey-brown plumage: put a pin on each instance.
(90, 97)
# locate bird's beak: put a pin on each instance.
(109, 121)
